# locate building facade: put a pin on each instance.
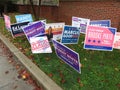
(91, 9)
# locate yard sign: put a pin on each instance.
(99, 38)
(67, 55)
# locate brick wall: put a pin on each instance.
(92, 10)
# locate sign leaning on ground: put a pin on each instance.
(50, 2)
(67, 55)
(99, 38)
(104, 23)
(35, 29)
(40, 45)
(24, 18)
(16, 29)
(7, 22)
(81, 23)
(70, 35)
(116, 44)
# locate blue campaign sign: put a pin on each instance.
(35, 29)
(67, 55)
(104, 23)
(70, 35)
(24, 18)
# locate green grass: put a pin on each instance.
(100, 69)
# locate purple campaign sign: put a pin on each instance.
(35, 29)
(67, 55)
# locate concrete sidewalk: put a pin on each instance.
(9, 77)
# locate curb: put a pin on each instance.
(41, 78)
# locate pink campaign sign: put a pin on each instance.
(116, 44)
(99, 38)
(7, 21)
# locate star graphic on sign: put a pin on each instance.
(99, 41)
(94, 41)
(89, 40)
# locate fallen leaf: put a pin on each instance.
(17, 66)
(47, 58)
(6, 72)
(118, 85)
(81, 85)
(24, 77)
(37, 88)
(78, 80)
(15, 87)
(10, 61)
(63, 81)
(85, 59)
(61, 75)
(19, 76)
(116, 69)
(50, 75)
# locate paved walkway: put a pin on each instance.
(9, 77)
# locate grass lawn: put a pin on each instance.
(100, 69)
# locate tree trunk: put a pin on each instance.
(5, 8)
(34, 13)
(38, 15)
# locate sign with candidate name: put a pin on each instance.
(40, 45)
(16, 29)
(7, 22)
(35, 29)
(116, 44)
(67, 55)
(24, 18)
(103, 23)
(81, 23)
(99, 38)
(70, 35)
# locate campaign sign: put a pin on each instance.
(16, 29)
(116, 44)
(35, 29)
(104, 23)
(99, 38)
(70, 35)
(7, 22)
(54, 30)
(40, 45)
(44, 21)
(24, 18)
(82, 23)
(67, 55)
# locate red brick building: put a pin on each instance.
(91, 9)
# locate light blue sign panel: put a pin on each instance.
(24, 18)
